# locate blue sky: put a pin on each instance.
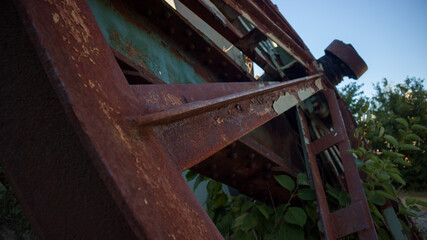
(391, 36)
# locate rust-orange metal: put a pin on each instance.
(92, 157)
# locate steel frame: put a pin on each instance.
(90, 156)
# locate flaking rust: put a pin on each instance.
(128, 164)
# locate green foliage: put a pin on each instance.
(239, 217)
(12, 219)
(354, 97)
(382, 164)
(400, 111)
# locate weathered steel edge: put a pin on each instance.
(48, 168)
(91, 110)
(200, 106)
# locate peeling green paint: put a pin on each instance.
(319, 84)
(305, 93)
(144, 47)
(284, 103)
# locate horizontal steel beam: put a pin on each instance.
(205, 127)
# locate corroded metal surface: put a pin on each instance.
(140, 166)
(95, 95)
(112, 153)
(336, 223)
(348, 55)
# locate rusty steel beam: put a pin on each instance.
(362, 222)
(144, 184)
(222, 25)
(351, 172)
(252, 13)
(136, 167)
(214, 18)
(224, 119)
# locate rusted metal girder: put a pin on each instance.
(96, 163)
(336, 224)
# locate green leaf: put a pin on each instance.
(383, 235)
(391, 154)
(389, 188)
(381, 132)
(263, 210)
(242, 235)
(246, 205)
(307, 194)
(200, 178)
(404, 226)
(410, 201)
(397, 178)
(214, 186)
(412, 137)
(249, 222)
(375, 210)
(239, 220)
(391, 140)
(357, 152)
(220, 200)
(402, 162)
(409, 147)
(343, 198)
(359, 163)
(280, 210)
(190, 175)
(415, 208)
(385, 194)
(311, 212)
(418, 127)
(224, 226)
(285, 181)
(296, 215)
(376, 198)
(422, 203)
(302, 179)
(293, 232)
(403, 210)
(402, 121)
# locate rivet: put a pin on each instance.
(233, 145)
(188, 32)
(212, 167)
(267, 166)
(149, 13)
(238, 107)
(191, 46)
(267, 176)
(171, 31)
(207, 49)
(238, 76)
(209, 61)
(252, 156)
(225, 75)
(223, 64)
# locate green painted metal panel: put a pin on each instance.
(143, 45)
(393, 223)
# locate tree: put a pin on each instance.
(390, 107)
